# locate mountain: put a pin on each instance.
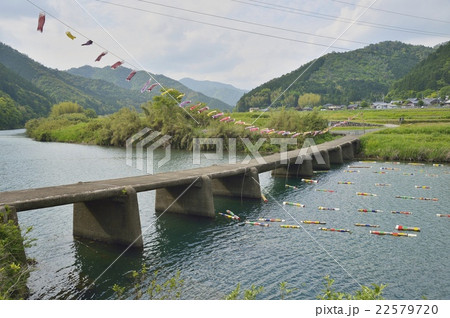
(119, 75)
(339, 78)
(61, 86)
(224, 92)
(20, 100)
(430, 76)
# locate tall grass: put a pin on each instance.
(413, 115)
(421, 142)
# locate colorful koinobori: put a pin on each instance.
(288, 226)
(328, 209)
(294, 204)
(367, 225)
(325, 190)
(345, 182)
(369, 210)
(233, 215)
(401, 212)
(359, 167)
(407, 228)
(263, 197)
(313, 222)
(257, 223)
(310, 181)
(40, 27)
(443, 215)
(414, 198)
(270, 220)
(334, 230)
(228, 216)
(366, 194)
(392, 233)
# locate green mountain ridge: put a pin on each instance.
(61, 86)
(118, 76)
(340, 78)
(225, 92)
(20, 100)
(430, 77)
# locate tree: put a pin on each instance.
(66, 108)
(364, 104)
(309, 99)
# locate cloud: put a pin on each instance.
(179, 48)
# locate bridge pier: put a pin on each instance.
(111, 220)
(347, 151)
(356, 146)
(8, 213)
(321, 160)
(242, 186)
(304, 169)
(335, 155)
(195, 200)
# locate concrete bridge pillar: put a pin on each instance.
(347, 151)
(321, 160)
(356, 146)
(112, 220)
(242, 186)
(336, 155)
(305, 169)
(195, 200)
(8, 213)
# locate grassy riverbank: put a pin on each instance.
(423, 136)
(412, 142)
(163, 114)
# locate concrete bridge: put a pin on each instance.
(107, 210)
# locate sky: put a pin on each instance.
(244, 43)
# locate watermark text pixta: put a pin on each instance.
(140, 149)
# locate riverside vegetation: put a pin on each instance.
(14, 266)
(145, 287)
(69, 122)
(423, 135)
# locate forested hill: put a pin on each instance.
(431, 77)
(340, 78)
(225, 92)
(119, 75)
(102, 96)
(20, 100)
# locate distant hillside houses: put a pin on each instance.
(409, 103)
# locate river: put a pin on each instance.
(214, 255)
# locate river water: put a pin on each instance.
(214, 255)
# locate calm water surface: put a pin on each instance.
(214, 255)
